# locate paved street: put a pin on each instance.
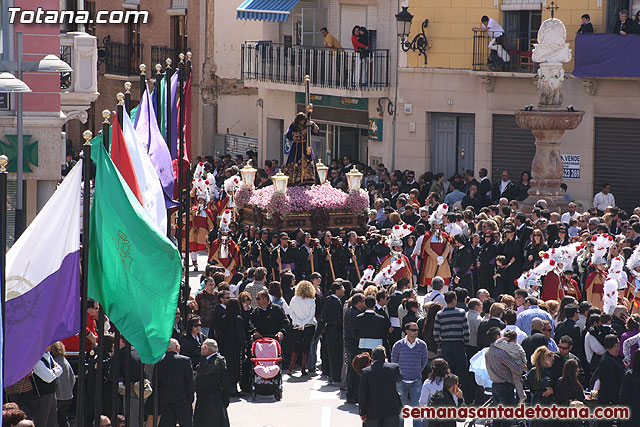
(306, 401)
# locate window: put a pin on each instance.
(90, 28)
(179, 28)
(524, 23)
(134, 46)
(312, 21)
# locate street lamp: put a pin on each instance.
(419, 42)
(280, 181)
(9, 83)
(248, 175)
(403, 21)
(53, 64)
(322, 172)
(354, 178)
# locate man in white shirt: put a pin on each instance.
(46, 372)
(490, 26)
(603, 199)
(437, 283)
(572, 214)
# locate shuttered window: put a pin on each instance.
(513, 148)
(616, 159)
(350, 16)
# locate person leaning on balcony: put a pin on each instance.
(623, 25)
(330, 41)
(490, 26)
(586, 26)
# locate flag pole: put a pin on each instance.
(143, 88)
(158, 97)
(86, 203)
(187, 201)
(127, 98)
(168, 73)
(3, 242)
(106, 115)
(127, 382)
(143, 81)
(184, 289)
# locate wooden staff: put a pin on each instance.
(260, 252)
(311, 253)
(355, 261)
(279, 261)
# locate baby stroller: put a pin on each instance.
(267, 375)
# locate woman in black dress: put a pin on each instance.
(191, 340)
(231, 340)
(487, 262)
(532, 250)
(511, 249)
(524, 185)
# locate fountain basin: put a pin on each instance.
(549, 120)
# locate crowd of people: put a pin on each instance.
(443, 274)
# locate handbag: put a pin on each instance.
(136, 389)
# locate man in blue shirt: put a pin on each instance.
(455, 196)
(532, 311)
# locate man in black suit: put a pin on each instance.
(379, 400)
(504, 188)
(175, 387)
(623, 25)
(268, 319)
(523, 234)
(586, 26)
(535, 340)
(469, 181)
(68, 164)
(332, 319)
(495, 320)
(569, 326)
(611, 372)
(565, 345)
(484, 190)
(218, 312)
(372, 328)
(395, 300)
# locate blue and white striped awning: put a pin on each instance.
(266, 10)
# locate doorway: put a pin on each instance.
(452, 143)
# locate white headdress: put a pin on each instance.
(232, 184)
(633, 262)
(398, 232)
(601, 243)
(225, 220)
(438, 214)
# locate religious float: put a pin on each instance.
(300, 196)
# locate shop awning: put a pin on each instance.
(266, 10)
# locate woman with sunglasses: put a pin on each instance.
(511, 249)
(532, 250)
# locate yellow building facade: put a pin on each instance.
(450, 32)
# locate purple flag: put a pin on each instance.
(150, 136)
(43, 281)
(174, 116)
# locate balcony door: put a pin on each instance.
(313, 19)
(452, 143)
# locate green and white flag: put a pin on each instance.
(134, 269)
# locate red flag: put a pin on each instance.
(186, 126)
(122, 159)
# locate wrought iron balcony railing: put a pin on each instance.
(289, 64)
(509, 52)
(122, 58)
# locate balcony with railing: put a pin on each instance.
(510, 52)
(159, 55)
(122, 59)
(332, 72)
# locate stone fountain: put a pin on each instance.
(550, 120)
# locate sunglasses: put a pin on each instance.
(546, 330)
(562, 347)
(197, 324)
(413, 330)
